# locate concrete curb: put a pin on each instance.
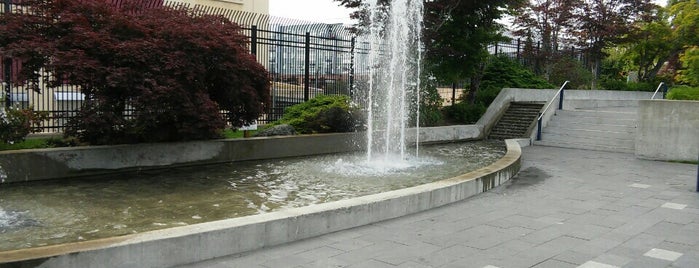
(182, 245)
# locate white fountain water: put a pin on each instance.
(395, 54)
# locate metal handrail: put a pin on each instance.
(658, 89)
(559, 94)
(560, 102)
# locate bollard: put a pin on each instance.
(698, 174)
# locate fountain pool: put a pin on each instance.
(46, 213)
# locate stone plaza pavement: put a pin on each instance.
(566, 208)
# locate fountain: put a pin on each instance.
(394, 35)
(206, 213)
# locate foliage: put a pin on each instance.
(503, 72)
(683, 93)
(622, 85)
(568, 69)
(549, 20)
(231, 134)
(16, 123)
(323, 114)
(689, 74)
(430, 105)
(26, 144)
(649, 46)
(465, 113)
(456, 34)
(154, 74)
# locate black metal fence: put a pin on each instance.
(304, 59)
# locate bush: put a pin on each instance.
(465, 113)
(503, 72)
(16, 123)
(430, 105)
(323, 114)
(568, 69)
(622, 85)
(683, 93)
(174, 68)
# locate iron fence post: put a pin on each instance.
(253, 40)
(560, 100)
(453, 93)
(538, 127)
(307, 72)
(8, 81)
(351, 70)
(7, 64)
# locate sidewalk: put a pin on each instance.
(566, 208)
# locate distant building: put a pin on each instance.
(254, 6)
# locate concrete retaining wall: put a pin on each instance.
(182, 245)
(668, 130)
(44, 164)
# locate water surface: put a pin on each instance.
(52, 212)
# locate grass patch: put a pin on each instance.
(230, 134)
(684, 162)
(40, 143)
(683, 93)
(26, 144)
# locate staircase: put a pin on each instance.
(603, 129)
(517, 121)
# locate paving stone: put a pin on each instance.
(689, 260)
(320, 253)
(554, 264)
(613, 259)
(663, 254)
(574, 257)
(287, 261)
(604, 222)
(674, 206)
(351, 244)
(371, 264)
(647, 262)
(643, 241)
(447, 255)
(664, 228)
(594, 264)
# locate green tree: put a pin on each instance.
(689, 74)
(649, 46)
(550, 20)
(457, 33)
(600, 24)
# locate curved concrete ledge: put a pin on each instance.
(182, 245)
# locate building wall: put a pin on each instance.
(255, 6)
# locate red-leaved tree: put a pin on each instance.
(149, 74)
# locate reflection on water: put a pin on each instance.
(45, 213)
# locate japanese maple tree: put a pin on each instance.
(149, 74)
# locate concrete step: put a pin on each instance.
(594, 147)
(592, 126)
(599, 113)
(607, 119)
(600, 138)
(589, 133)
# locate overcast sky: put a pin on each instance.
(326, 11)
